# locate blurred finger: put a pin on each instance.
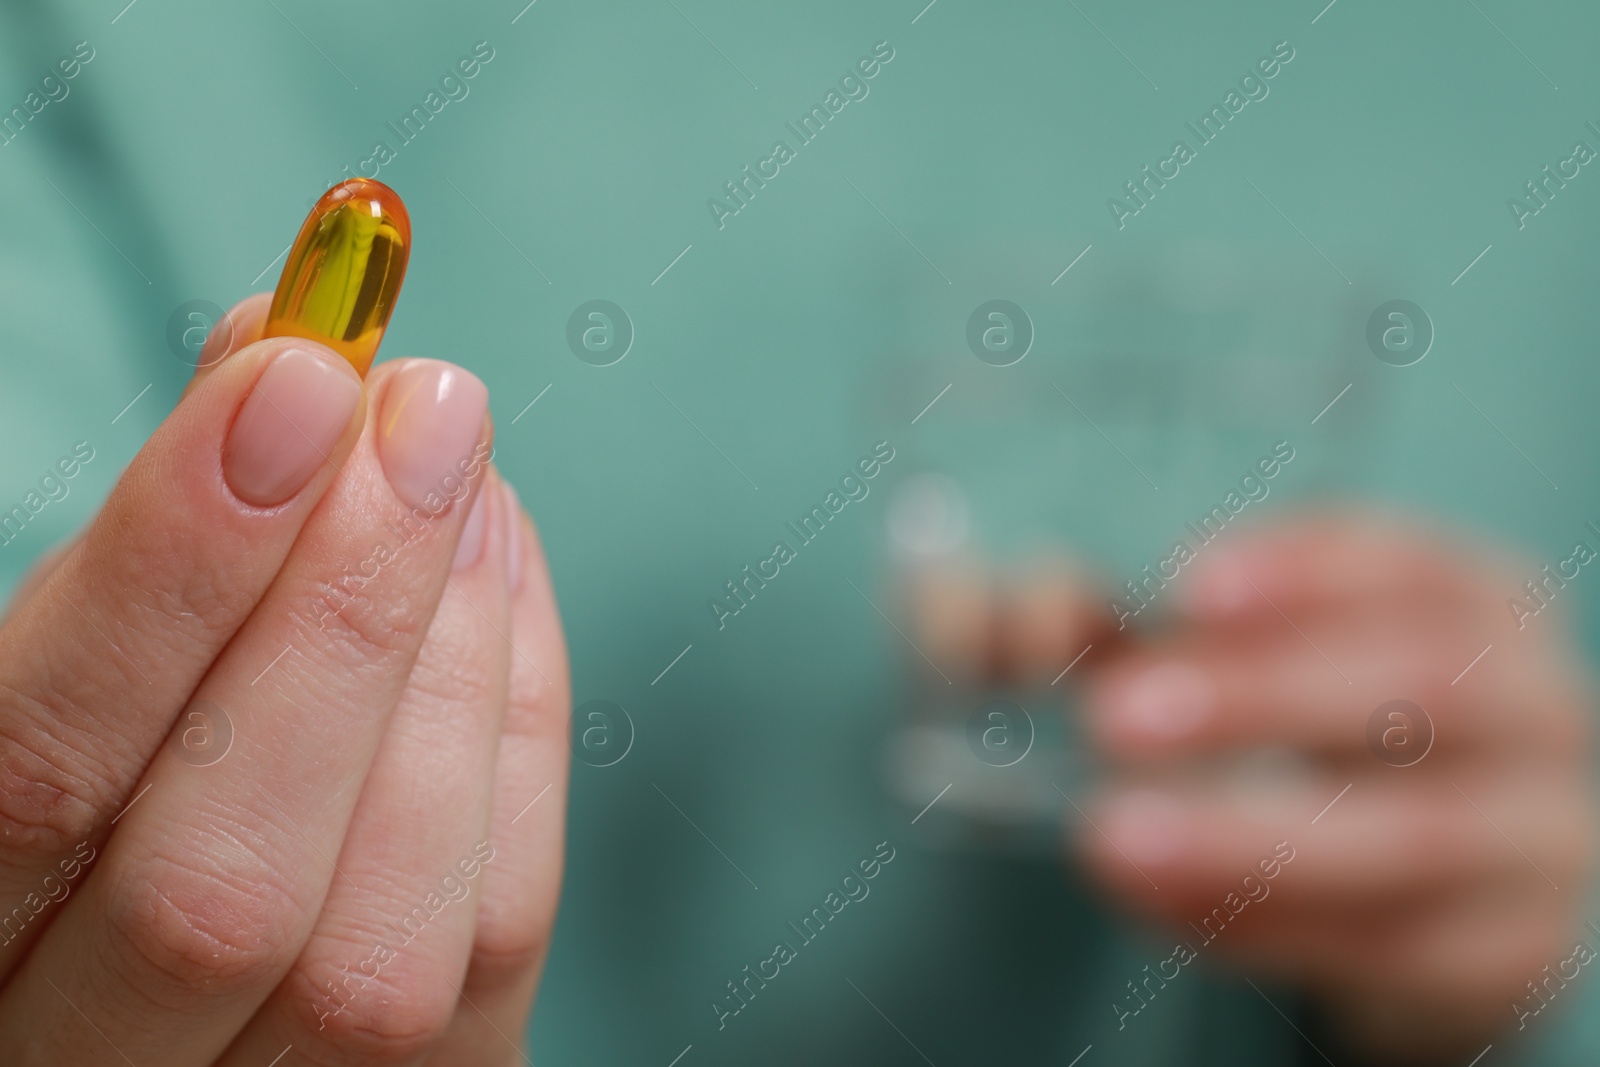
(952, 611)
(1023, 624)
(1410, 970)
(1328, 560)
(1315, 684)
(1051, 612)
(1222, 847)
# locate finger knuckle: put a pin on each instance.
(509, 944)
(451, 680)
(204, 600)
(182, 928)
(541, 710)
(392, 1016)
(176, 583)
(47, 803)
(365, 630)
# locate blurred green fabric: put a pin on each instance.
(773, 347)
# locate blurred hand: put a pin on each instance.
(1421, 903)
(265, 730)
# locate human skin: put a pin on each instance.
(380, 736)
(1421, 903)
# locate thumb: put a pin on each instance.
(242, 325)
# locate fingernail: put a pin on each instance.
(431, 421)
(473, 533)
(1164, 702)
(1150, 827)
(296, 413)
(512, 509)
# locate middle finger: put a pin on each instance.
(377, 981)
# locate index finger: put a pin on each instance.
(96, 663)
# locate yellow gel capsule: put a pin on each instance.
(344, 271)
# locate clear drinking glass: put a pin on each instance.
(1153, 382)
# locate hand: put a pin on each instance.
(1418, 901)
(283, 746)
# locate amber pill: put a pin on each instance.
(344, 271)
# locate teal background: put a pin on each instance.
(803, 332)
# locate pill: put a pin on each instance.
(344, 270)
